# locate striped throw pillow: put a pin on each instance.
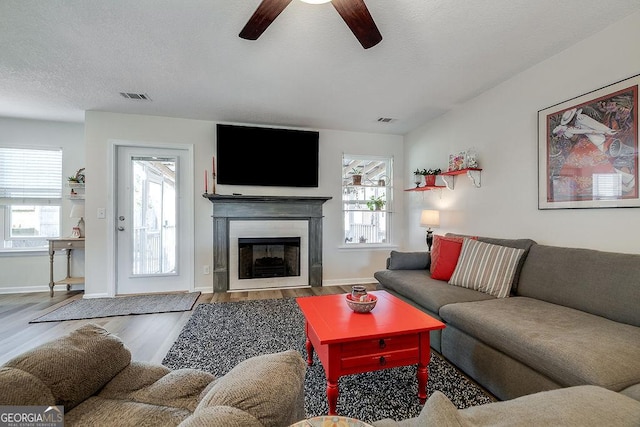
(486, 268)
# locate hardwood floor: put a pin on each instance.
(148, 336)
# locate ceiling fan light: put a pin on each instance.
(316, 1)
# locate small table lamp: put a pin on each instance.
(77, 211)
(430, 218)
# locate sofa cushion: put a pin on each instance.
(76, 366)
(157, 385)
(226, 416)
(269, 387)
(568, 346)
(98, 411)
(20, 388)
(444, 264)
(573, 406)
(486, 267)
(602, 283)
(418, 286)
(409, 260)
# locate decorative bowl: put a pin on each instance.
(364, 306)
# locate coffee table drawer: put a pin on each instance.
(380, 345)
(389, 359)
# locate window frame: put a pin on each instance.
(367, 184)
(9, 201)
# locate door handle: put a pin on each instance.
(120, 228)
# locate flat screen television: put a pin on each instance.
(247, 155)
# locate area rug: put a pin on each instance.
(121, 306)
(220, 335)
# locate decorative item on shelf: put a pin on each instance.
(376, 203)
(213, 175)
(78, 178)
(362, 239)
(430, 176)
(382, 180)
(457, 161)
(430, 218)
(77, 211)
(356, 176)
(471, 158)
(363, 304)
(417, 177)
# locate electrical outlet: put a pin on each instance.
(206, 269)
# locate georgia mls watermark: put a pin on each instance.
(31, 416)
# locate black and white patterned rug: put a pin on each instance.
(220, 335)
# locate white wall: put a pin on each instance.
(340, 265)
(30, 271)
(502, 125)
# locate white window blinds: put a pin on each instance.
(30, 176)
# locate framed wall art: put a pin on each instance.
(588, 150)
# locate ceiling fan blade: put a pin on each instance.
(264, 15)
(359, 20)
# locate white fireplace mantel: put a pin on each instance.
(227, 208)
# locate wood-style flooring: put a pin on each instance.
(148, 336)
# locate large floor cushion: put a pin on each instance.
(568, 346)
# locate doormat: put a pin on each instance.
(120, 306)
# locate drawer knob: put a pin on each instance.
(382, 344)
(383, 361)
(69, 244)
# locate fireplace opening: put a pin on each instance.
(263, 257)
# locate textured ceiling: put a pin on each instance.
(59, 58)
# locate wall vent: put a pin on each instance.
(386, 120)
(138, 96)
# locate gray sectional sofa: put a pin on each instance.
(572, 318)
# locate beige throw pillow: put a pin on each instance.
(485, 267)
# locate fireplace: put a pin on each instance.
(268, 243)
(265, 257)
(237, 217)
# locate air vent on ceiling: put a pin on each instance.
(138, 96)
(386, 120)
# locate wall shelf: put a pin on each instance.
(473, 174)
(77, 190)
(427, 188)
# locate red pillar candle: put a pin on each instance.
(206, 185)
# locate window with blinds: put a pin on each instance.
(30, 196)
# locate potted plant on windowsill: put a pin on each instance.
(356, 176)
(376, 203)
(430, 176)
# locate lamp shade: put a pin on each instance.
(430, 218)
(77, 210)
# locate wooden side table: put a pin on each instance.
(68, 244)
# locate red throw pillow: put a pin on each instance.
(447, 260)
(444, 255)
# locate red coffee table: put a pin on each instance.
(393, 334)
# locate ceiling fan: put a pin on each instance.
(354, 13)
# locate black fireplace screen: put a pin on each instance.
(263, 257)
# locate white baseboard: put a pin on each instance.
(349, 282)
(207, 289)
(37, 288)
